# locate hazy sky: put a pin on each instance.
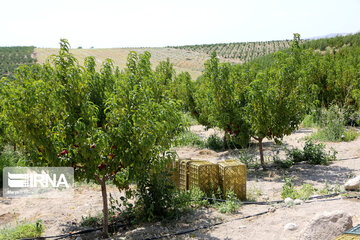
(158, 23)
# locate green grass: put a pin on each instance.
(189, 118)
(22, 230)
(9, 158)
(188, 139)
(349, 134)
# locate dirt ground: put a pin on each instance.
(59, 215)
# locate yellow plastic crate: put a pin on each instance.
(233, 177)
(204, 175)
(184, 174)
(174, 171)
(348, 237)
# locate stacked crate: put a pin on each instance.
(204, 175)
(228, 175)
(232, 174)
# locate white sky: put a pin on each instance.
(159, 23)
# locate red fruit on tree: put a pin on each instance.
(113, 147)
(100, 167)
(63, 152)
(111, 156)
(76, 146)
(93, 146)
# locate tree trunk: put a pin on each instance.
(105, 207)
(261, 153)
(14, 147)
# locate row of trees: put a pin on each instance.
(12, 57)
(243, 51)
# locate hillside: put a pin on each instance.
(190, 58)
(183, 60)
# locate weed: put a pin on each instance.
(231, 205)
(189, 138)
(253, 193)
(247, 159)
(289, 191)
(22, 230)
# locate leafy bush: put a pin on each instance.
(22, 230)
(315, 154)
(199, 198)
(215, 143)
(312, 153)
(158, 199)
(295, 155)
(231, 204)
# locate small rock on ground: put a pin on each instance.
(353, 184)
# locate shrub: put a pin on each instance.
(295, 155)
(315, 154)
(199, 198)
(312, 153)
(231, 204)
(285, 163)
(215, 143)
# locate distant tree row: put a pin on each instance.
(335, 42)
(243, 51)
(12, 57)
